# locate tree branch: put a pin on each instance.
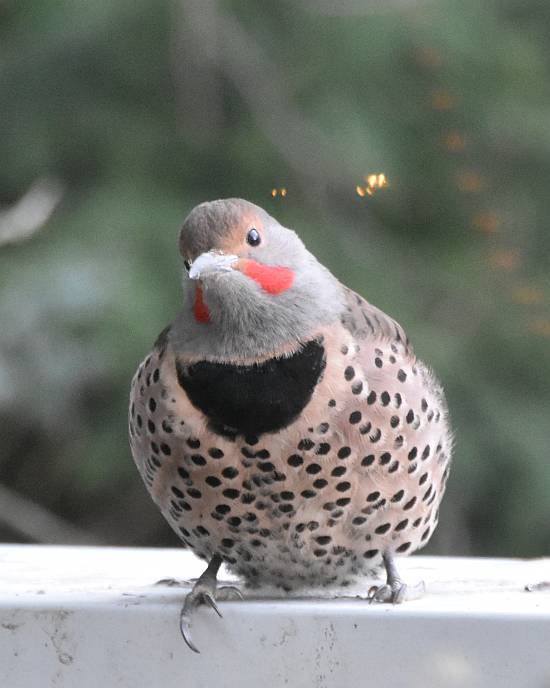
(38, 524)
(31, 212)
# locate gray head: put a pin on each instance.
(251, 289)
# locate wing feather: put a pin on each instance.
(366, 321)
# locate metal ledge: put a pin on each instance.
(91, 617)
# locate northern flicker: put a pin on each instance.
(282, 423)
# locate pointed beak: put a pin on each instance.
(210, 263)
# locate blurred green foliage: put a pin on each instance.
(142, 109)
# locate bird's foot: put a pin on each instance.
(396, 593)
(394, 590)
(387, 593)
(205, 591)
(172, 582)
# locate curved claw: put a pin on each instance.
(208, 597)
(191, 601)
(379, 593)
(231, 590)
(186, 633)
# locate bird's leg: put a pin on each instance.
(205, 591)
(394, 590)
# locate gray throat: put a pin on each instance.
(247, 324)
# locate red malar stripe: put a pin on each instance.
(200, 309)
(273, 279)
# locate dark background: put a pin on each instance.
(116, 118)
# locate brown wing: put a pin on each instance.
(366, 321)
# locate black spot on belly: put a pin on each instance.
(251, 400)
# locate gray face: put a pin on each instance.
(247, 320)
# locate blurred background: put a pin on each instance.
(116, 118)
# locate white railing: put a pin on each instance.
(88, 617)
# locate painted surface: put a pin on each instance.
(85, 617)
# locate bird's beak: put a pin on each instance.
(211, 262)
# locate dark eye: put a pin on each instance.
(253, 237)
(187, 265)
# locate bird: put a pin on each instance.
(282, 423)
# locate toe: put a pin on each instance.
(229, 592)
(399, 594)
(396, 594)
(380, 593)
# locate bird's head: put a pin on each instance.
(250, 285)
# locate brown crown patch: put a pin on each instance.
(221, 225)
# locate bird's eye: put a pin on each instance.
(253, 237)
(187, 265)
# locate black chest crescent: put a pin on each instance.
(253, 399)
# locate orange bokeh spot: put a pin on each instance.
(443, 100)
(374, 182)
(486, 222)
(453, 141)
(526, 295)
(469, 182)
(505, 259)
(429, 57)
(540, 326)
